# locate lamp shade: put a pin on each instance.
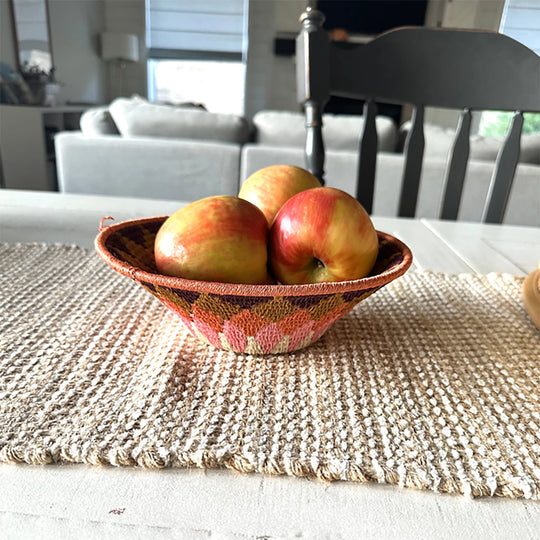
(123, 47)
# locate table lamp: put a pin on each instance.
(120, 48)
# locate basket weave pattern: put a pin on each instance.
(254, 319)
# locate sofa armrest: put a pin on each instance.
(146, 167)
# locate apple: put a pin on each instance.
(322, 234)
(271, 187)
(220, 238)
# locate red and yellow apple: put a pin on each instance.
(220, 238)
(322, 234)
(269, 188)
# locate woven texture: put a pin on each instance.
(250, 319)
(431, 383)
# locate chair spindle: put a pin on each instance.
(414, 152)
(367, 160)
(456, 168)
(503, 173)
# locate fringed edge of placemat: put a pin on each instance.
(326, 472)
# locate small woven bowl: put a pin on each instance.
(253, 319)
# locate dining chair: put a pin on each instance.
(421, 67)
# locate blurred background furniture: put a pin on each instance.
(27, 143)
(468, 70)
(136, 148)
(280, 138)
(181, 152)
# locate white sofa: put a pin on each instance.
(141, 149)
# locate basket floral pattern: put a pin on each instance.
(251, 319)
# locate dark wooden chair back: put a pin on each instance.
(457, 69)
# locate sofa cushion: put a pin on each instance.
(138, 117)
(98, 121)
(340, 131)
(170, 169)
(439, 140)
(530, 149)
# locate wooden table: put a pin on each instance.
(64, 501)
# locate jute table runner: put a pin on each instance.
(433, 382)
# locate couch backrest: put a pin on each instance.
(341, 132)
(137, 117)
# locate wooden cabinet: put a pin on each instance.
(27, 158)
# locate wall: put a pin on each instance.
(126, 16)
(478, 14)
(271, 79)
(287, 18)
(259, 56)
(7, 49)
(75, 29)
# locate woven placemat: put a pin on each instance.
(433, 382)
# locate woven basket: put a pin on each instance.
(253, 319)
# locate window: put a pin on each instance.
(197, 52)
(496, 123)
(218, 85)
(521, 21)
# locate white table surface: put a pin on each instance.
(79, 501)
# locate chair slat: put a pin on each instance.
(367, 161)
(456, 168)
(439, 67)
(503, 173)
(414, 152)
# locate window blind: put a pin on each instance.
(521, 21)
(200, 29)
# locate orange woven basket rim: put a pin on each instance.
(241, 289)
